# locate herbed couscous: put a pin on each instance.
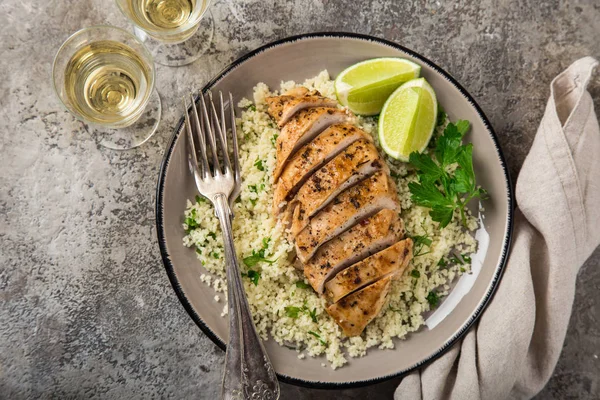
(283, 304)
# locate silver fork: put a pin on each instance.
(248, 371)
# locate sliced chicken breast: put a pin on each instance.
(389, 262)
(361, 201)
(359, 161)
(311, 157)
(365, 238)
(302, 128)
(355, 311)
(282, 108)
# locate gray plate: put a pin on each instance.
(298, 58)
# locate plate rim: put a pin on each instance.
(501, 266)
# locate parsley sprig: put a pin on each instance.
(258, 256)
(441, 188)
(293, 312)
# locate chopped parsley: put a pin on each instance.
(259, 165)
(274, 139)
(215, 255)
(256, 188)
(212, 235)
(253, 275)
(315, 334)
(415, 273)
(442, 263)
(302, 285)
(200, 200)
(462, 269)
(251, 107)
(294, 312)
(443, 191)
(258, 256)
(191, 224)
(466, 258)
(420, 241)
(433, 299)
(313, 314)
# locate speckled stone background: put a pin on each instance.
(86, 310)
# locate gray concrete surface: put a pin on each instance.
(86, 310)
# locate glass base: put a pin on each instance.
(133, 135)
(184, 53)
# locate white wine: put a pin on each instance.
(167, 20)
(108, 82)
(167, 14)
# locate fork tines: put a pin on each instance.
(209, 130)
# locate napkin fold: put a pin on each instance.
(513, 349)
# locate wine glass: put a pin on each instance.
(105, 77)
(177, 32)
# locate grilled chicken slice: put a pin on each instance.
(302, 128)
(312, 156)
(389, 262)
(282, 108)
(359, 161)
(355, 311)
(365, 238)
(361, 201)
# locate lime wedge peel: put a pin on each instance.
(365, 86)
(408, 119)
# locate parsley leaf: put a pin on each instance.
(253, 275)
(292, 311)
(258, 256)
(415, 273)
(200, 199)
(313, 314)
(420, 241)
(441, 190)
(462, 126)
(259, 165)
(191, 224)
(302, 285)
(255, 258)
(433, 299)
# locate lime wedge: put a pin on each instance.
(408, 119)
(365, 86)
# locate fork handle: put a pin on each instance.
(248, 371)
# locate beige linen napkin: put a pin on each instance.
(513, 349)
